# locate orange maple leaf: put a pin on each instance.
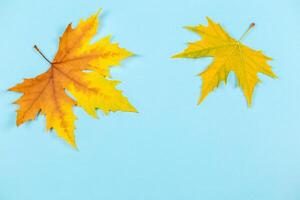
(82, 69)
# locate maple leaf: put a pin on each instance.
(80, 68)
(229, 55)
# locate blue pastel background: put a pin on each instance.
(172, 149)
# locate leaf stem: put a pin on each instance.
(247, 31)
(38, 50)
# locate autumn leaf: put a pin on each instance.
(78, 76)
(229, 55)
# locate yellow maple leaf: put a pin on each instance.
(82, 69)
(229, 55)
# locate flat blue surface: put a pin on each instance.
(172, 149)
